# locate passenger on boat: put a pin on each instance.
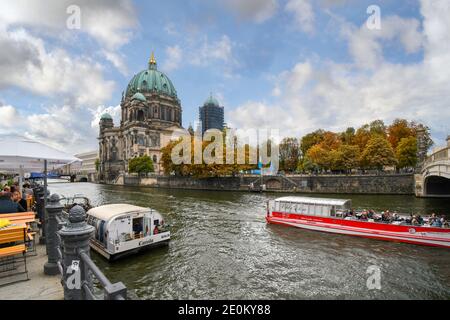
(156, 230)
(434, 221)
(371, 214)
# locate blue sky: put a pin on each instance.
(293, 65)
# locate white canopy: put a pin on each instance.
(317, 201)
(107, 212)
(19, 153)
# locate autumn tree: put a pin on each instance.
(348, 136)
(398, 130)
(378, 153)
(362, 136)
(345, 158)
(406, 153)
(311, 139)
(319, 156)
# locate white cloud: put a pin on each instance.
(366, 47)
(303, 13)
(201, 52)
(30, 66)
(254, 10)
(108, 21)
(333, 95)
(9, 117)
(174, 55)
(63, 127)
(117, 61)
(221, 50)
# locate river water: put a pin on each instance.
(222, 248)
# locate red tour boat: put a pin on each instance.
(335, 216)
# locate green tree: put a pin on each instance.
(289, 150)
(311, 139)
(348, 136)
(378, 153)
(406, 153)
(345, 158)
(141, 165)
(377, 127)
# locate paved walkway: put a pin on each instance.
(39, 287)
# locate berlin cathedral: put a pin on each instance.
(151, 111)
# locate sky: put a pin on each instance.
(291, 65)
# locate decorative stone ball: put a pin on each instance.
(77, 214)
(54, 198)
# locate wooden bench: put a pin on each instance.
(14, 237)
(19, 217)
(28, 218)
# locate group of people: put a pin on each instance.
(388, 217)
(12, 200)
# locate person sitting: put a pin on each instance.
(370, 214)
(7, 205)
(434, 221)
(415, 220)
(17, 197)
(27, 191)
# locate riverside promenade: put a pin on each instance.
(40, 286)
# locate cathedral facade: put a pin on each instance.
(150, 112)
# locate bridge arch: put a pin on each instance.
(434, 180)
(436, 186)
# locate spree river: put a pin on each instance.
(222, 248)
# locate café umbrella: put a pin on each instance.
(19, 154)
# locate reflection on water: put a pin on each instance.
(221, 248)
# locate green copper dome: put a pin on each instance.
(106, 116)
(151, 80)
(212, 101)
(139, 96)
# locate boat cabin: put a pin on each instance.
(310, 206)
(120, 228)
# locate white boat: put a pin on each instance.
(123, 229)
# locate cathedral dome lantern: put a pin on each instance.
(151, 81)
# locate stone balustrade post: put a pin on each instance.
(75, 236)
(54, 208)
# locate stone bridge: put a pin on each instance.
(434, 178)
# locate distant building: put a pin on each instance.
(87, 171)
(211, 115)
(88, 167)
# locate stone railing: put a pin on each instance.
(68, 249)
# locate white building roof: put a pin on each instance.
(320, 201)
(110, 211)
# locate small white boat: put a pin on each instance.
(123, 229)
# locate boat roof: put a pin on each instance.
(332, 202)
(109, 211)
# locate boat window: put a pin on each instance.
(138, 227)
(333, 211)
(311, 209)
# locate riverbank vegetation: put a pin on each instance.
(372, 146)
